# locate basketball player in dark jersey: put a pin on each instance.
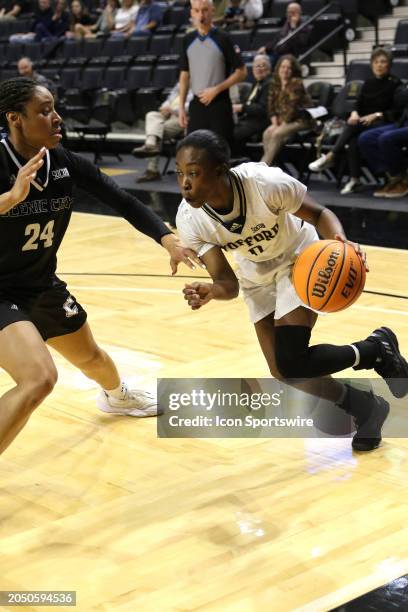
(37, 177)
(226, 209)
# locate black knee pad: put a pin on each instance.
(291, 347)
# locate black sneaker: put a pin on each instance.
(369, 412)
(393, 367)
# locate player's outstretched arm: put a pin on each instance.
(22, 185)
(224, 286)
(179, 254)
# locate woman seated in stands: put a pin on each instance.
(374, 108)
(125, 18)
(104, 24)
(79, 16)
(287, 100)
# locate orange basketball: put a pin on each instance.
(329, 275)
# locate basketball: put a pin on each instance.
(329, 275)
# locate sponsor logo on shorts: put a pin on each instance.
(71, 309)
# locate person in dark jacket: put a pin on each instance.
(252, 113)
(374, 108)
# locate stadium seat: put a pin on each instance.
(164, 76)
(137, 45)
(92, 47)
(160, 44)
(400, 68)
(114, 78)
(114, 47)
(138, 76)
(321, 92)
(400, 46)
(358, 70)
(264, 36)
(242, 38)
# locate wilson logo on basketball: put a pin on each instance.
(329, 275)
(351, 281)
(325, 275)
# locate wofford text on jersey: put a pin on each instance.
(255, 238)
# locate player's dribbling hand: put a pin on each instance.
(362, 254)
(197, 294)
(26, 174)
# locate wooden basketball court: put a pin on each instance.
(100, 505)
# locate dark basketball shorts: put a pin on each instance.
(53, 311)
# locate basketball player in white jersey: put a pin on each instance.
(265, 218)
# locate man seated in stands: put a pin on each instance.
(297, 45)
(159, 125)
(385, 150)
(11, 9)
(25, 68)
(148, 17)
(252, 114)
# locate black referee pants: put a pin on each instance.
(217, 116)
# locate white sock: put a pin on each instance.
(357, 352)
(119, 391)
(150, 141)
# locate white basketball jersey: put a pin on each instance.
(261, 226)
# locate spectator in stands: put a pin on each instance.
(383, 147)
(11, 9)
(287, 99)
(160, 125)
(25, 68)
(296, 46)
(79, 16)
(148, 17)
(374, 108)
(241, 14)
(252, 113)
(60, 19)
(41, 27)
(253, 10)
(103, 26)
(234, 17)
(211, 64)
(124, 19)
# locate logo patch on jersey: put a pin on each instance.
(60, 173)
(235, 227)
(71, 309)
(258, 227)
(14, 307)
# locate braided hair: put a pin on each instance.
(14, 95)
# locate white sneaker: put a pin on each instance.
(322, 163)
(350, 187)
(135, 403)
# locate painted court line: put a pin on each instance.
(403, 313)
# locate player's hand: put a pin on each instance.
(362, 254)
(179, 254)
(197, 294)
(26, 174)
(206, 96)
